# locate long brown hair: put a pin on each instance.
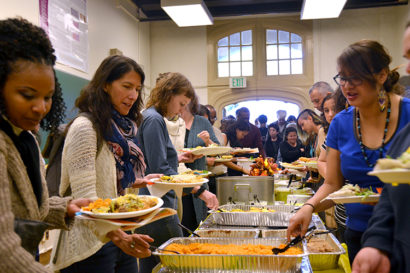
(366, 58)
(167, 86)
(97, 102)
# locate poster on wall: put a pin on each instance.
(65, 22)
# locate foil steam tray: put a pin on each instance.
(185, 263)
(228, 233)
(325, 260)
(279, 218)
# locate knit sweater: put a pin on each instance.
(17, 199)
(90, 175)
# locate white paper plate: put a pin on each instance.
(125, 215)
(157, 181)
(208, 150)
(399, 176)
(312, 165)
(245, 151)
(290, 166)
(354, 199)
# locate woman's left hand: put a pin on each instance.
(188, 157)
(136, 245)
(75, 206)
(142, 182)
(204, 135)
(210, 199)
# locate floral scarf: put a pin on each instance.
(128, 156)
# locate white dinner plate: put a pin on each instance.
(354, 199)
(219, 160)
(125, 215)
(208, 150)
(308, 164)
(185, 185)
(245, 151)
(291, 166)
(399, 176)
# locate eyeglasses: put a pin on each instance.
(341, 81)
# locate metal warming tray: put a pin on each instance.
(326, 260)
(185, 263)
(279, 218)
(245, 189)
(228, 233)
(273, 233)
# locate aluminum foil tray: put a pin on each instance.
(230, 263)
(228, 233)
(279, 218)
(326, 260)
(273, 233)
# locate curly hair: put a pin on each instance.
(168, 85)
(21, 40)
(97, 102)
(366, 58)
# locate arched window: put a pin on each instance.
(284, 53)
(235, 57)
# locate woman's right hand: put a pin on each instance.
(136, 245)
(299, 223)
(188, 157)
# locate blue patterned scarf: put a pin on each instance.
(128, 156)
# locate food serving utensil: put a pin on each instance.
(154, 248)
(294, 241)
(188, 230)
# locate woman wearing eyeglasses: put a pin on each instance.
(359, 135)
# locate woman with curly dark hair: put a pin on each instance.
(101, 159)
(29, 97)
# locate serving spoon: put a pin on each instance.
(294, 241)
(154, 248)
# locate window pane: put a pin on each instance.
(223, 69)
(235, 39)
(223, 41)
(284, 67)
(284, 52)
(222, 54)
(235, 53)
(235, 69)
(272, 52)
(297, 67)
(294, 38)
(296, 51)
(271, 36)
(283, 36)
(247, 53)
(247, 69)
(272, 67)
(247, 37)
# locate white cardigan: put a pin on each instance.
(89, 176)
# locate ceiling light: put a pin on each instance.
(319, 9)
(187, 13)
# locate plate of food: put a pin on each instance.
(395, 171)
(188, 180)
(353, 194)
(245, 151)
(224, 158)
(203, 173)
(123, 207)
(308, 162)
(294, 165)
(210, 150)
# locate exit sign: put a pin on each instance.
(239, 82)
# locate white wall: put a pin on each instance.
(183, 50)
(331, 36)
(108, 27)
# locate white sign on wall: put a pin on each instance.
(237, 82)
(65, 22)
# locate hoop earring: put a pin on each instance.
(382, 98)
(347, 105)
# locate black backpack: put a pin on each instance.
(53, 151)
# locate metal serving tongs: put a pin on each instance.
(188, 230)
(294, 241)
(154, 248)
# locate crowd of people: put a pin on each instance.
(116, 143)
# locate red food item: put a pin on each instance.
(264, 167)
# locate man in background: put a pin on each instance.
(318, 92)
(281, 122)
(253, 139)
(263, 129)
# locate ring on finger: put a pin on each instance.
(132, 245)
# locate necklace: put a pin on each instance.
(384, 134)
